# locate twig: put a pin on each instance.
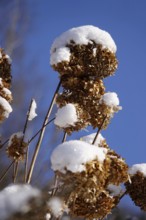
(64, 137)
(27, 150)
(2, 145)
(6, 171)
(15, 171)
(29, 176)
(40, 130)
(99, 129)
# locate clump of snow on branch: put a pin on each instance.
(115, 190)
(6, 106)
(138, 168)
(15, 198)
(8, 58)
(66, 116)
(48, 216)
(110, 99)
(32, 113)
(80, 35)
(89, 139)
(56, 206)
(73, 155)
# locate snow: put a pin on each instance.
(73, 155)
(8, 58)
(48, 216)
(15, 198)
(1, 83)
(138, 168)
(0, 55)
(110, 99)
(7, 91)
(56, 206)
(115, 190)
(32, 113)
(66, 116)
(89, 139)
(17, 134)
(6, 106)
(82, 36)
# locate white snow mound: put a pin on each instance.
(80, 35)
(138, 168)
(73, 155)
(66, 116)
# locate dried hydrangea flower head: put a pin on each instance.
(87, 172)
(5, 83)
(136, 188)
(5, 68)
(16, 146)
(84, 51)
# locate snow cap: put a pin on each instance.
(73, 155)
(82, 36)
(66, 116)
(110, 99)
(138, 168)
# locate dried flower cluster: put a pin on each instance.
(17, 147)
(87, 193)
(136, 188)
(86, 181)
(81, 78)
(5, 83)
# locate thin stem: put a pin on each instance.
(2, 145)
(27, 150)
(6, 171)
(40, 130)
(99, 129)
(29, 176)
(64, 137)
(15, 172)
(55, 186)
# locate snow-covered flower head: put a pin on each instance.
(84, 51)
(136, 188)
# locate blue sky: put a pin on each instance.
(125, 20)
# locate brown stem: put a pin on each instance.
(6, 171)
(40, 130)
(64, 137)
(27, 150)
(29, 176)
(15, 171)
(99, 129)
(2, 145)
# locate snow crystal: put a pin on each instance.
(89, 139)
(8, 109)
(73, 155)
(115, 190)
(66, 116)
(110, 99)
(15, 198)
(138, 168)
(56, 206)
(32, 113)
(80, 35)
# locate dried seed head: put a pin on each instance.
(88, 202)
(136, 188)
(118, 169)
(16, 147)
(4, 92)
(89, 60)
(5, 68)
